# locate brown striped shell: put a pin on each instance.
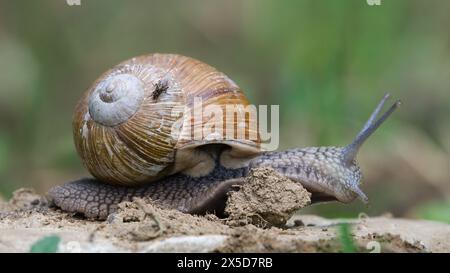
(138, 121)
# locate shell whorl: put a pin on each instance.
(122, 133)
(116, 99)
(131, 124)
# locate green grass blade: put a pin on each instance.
(48, 244)
(346, 238)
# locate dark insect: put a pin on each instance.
(160, 87)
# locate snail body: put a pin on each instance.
(133, 131)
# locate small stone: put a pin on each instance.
(298, 223)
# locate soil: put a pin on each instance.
(263, 217)
(265, 199)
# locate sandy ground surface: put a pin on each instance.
(259, 221)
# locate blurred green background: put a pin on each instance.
(325, 62)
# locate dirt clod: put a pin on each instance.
(26, 198)
(265, 199)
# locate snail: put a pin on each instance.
(130, 140)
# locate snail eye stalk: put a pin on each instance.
(350, 151)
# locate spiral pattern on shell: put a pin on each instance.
(127, 134)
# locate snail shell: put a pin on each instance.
(135, 125)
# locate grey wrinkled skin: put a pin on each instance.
(95, 199)
(319, 170)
